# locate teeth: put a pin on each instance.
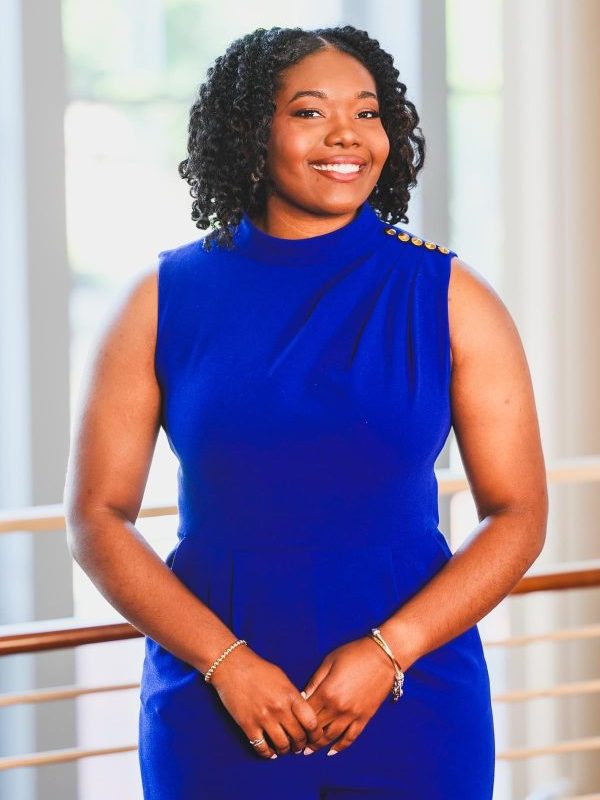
(337, 167)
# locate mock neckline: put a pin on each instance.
(352, 239)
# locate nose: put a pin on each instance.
(343, 130)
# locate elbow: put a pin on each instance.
(75, 524)
(534, 516)
(527, 521)
(73, 516)
(538, 533)
(79, 519)
(80, 506)
(542, 508)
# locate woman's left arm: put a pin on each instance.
(495, 421)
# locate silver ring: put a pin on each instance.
(254, 742)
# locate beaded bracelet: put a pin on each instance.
(223, 655)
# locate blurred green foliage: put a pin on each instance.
(136, 51)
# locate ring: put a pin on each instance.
(254, 742)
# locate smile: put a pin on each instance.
(343, 168)
(342, 172)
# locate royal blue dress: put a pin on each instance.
(305, 392)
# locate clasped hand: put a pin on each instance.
(342, 695)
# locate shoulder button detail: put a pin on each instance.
(403, 236)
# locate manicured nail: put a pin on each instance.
(308, 751)
(274, 755)
(303, 694)
(297, 751)
(332, 752)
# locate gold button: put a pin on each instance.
(430, 245)
(416, 240)
(404, 237)
(443, 249)
(391, 231)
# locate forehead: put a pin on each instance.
(328, 70)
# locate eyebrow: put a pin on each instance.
(323, 96)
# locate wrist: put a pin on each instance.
(402, 641)
(235, 660)
(385, 659)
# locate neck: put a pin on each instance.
(287, 222)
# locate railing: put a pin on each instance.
(54, 634)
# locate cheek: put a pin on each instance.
(381, 148)
(288, 151)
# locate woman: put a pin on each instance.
(307, 360)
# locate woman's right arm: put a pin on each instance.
(112, 445)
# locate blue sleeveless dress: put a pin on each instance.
(305, 393)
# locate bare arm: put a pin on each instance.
(109, 461)
(496, 426)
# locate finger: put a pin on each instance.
(263, 749)
(307, 718)
(316, 678)
(279, 738)
(326, 714)
(296, 733)
(349, 736)
(331, 729)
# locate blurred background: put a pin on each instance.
(94, 102)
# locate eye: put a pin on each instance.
(303, 111)
(307, 113)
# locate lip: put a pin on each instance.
(340, 160)
(340, 176)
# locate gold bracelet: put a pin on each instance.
(398, 673)
(223, 655)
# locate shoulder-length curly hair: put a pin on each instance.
(230, 121)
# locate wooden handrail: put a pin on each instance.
(53, 634)
(45, 695)
(51, 518)
(60, 756)
(573, 746)
(553, 577)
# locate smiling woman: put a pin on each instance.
(307, 364)
(300, 168)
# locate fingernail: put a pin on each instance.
(274, 755)
(303, 695)
(297, 751)
(332, 752)
(308, 751)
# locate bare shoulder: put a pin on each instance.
(123, 353)
(129, 331)
(119, 407)
(494, 414)
(478, 317)
(137, 302)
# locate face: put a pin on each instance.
(327, 145)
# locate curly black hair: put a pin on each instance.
(230, 122)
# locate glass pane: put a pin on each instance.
(474, 133)
(474, 42)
